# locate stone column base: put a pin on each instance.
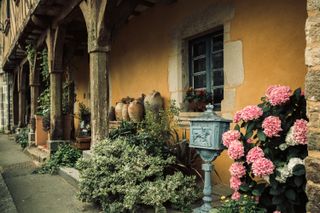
(31, 138)
(54, 144)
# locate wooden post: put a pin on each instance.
(55, 40)
(22, 97)
(99, 45)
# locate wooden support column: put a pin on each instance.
(99, 45)
(22, 97)
(34, 94)
(55, 40)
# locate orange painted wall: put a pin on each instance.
(272, 35)
(79, 68)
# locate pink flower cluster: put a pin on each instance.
(262, 167)
(236, 196)
(237, 169)
(248, 113)
(300, 131)
(230, 136)
(271, 126)
(236, 150)
(254, 154)
(277, 95)
(235, 183)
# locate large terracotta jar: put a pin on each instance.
(118, 111)
(153, 101)
(125, 114)
(135, 110)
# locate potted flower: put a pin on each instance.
(84, 138)
(197, 99)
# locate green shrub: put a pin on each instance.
(122, 176)
(65, 156)
(22, 137)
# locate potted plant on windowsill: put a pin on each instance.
(197, 99)
(84, 138)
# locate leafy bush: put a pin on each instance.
(22, 137)
(245, 204)
(65, 156)
(269, 144)
(122, 176)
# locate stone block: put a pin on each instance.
(313, 106)
(313, 5)
(312, 30)
(233, 64)
(312, 56)
(313, 191)
(312, 85)
(313, 168)
(313, 140)
(314, 120)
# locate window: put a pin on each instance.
(206, 65)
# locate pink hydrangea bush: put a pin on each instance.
(262, 142)
(278, 95)
(230, 136)
(271, 126)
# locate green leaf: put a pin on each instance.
(298, 180)
(244, 188)
(277, 200)
(256, 192)
(275, 191)
(250, 127)
(299, 170)
(261, 136)
(290, 194)
(237, 127)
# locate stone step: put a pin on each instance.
(37, 154)
(71, 175)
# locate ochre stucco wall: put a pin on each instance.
(271, 32)
(79, 68)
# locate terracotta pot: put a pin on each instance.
(153, 101)
(118, 111)
(135, 110)
(125, 114)
(41, 136)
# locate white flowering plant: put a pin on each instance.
(269, 145)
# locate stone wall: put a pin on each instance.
(312, 84)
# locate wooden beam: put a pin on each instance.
(72, 4)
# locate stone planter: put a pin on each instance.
(41, 136)
(83, 142)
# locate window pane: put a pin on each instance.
(218, 95)
(217, 60)
(200, 81)
(199, 49)
(199, 65)
(217, 43)
(217, 78)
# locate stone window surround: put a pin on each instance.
(201, 23)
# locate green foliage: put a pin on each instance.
(65, 156)
(245, 204)
(84, 113)
(45, 67)
(22, 137)
(122, 176)
(31, 54)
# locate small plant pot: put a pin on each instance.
(83, 142)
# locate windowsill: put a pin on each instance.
(184, 117)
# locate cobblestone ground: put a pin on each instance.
(33, 193)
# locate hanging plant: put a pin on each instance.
(269, 145)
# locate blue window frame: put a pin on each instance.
(206, 65)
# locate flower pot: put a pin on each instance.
(41, 136)
(118, 111)
(125, 114)
(135, 110)
(196, 106)
(153, 102)
(83, 142)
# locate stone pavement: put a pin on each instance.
(33, 193)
